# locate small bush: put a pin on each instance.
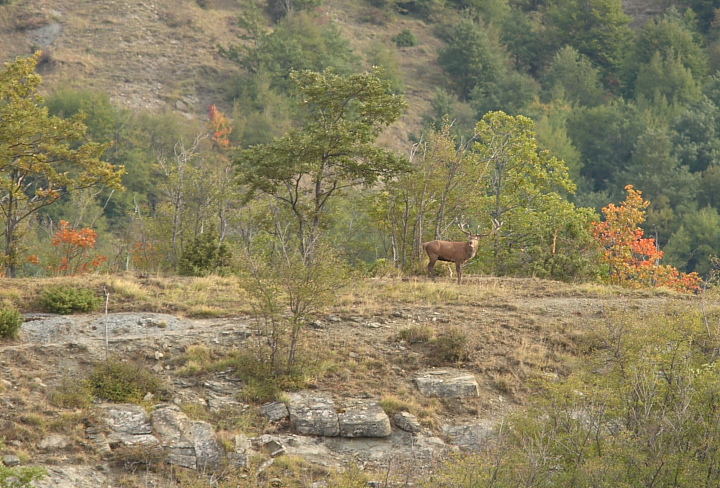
(405, 39)
(72, 394)
(66, 300)
(452, 346)
(21, 477)
(125, 382)
(10, 322)
(416, 334)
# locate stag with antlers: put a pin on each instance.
(455, 252)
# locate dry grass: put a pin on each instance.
(184, 296)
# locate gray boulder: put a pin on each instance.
(364, 418)
(313, 415)
(447, 383)
(407, 422)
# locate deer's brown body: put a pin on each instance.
(455, 252)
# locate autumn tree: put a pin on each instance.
(633, 260)
(74, 251)
(333, 150)
(39, 160)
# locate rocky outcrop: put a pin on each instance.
(447, 383)
(364, 418)
(313, 415)
(191, 444)
(317, 415)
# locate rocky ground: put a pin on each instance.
(516, 329)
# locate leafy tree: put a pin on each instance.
(38, 163)
(426, 203)
(447, 105)
(72, 254)
(709, 184)
(205, 254)
(598, 29)
(696, 241)
(298, 42)
(671, 38)
(632, 259)
(333, 150)
(471, 58)
(605, 136)
(552, 135)
(522, 33)
(667, 77)
(523, 188)
(696, 140)
(572, 77)
(512, 92)
(667, 184)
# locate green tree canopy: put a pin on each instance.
(524, 188)
(335, 148)
(596, 28)
(471, 57)
(672, 39)
(571, 76)
(38, 161)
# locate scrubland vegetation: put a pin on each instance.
(594, 143)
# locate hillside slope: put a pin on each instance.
(164, 54)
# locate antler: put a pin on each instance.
(462, 228)
(496, 226)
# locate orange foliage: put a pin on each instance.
(634, 260)
(144, 255)
(220, 126)
(73, 248)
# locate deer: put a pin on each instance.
(455, 252)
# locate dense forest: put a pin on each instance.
(551, 111)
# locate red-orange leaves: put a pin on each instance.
(220, 126)
(73, 251)
(632, 259)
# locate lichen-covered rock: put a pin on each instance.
(208, 451)
(313, 415)
(364, 418)
(447, 383)
(127, 418)
(174, 430)
(407, 422)
(274, 411)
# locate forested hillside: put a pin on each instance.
(234, 137)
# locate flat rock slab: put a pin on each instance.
(447, 383)
(364, 418)
(313, 415)
(127, 418)
(274, 411)
(407, 422)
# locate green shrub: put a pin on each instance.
(204, 255)
(10, 322)
(405, 39)
(21, 477)
(68, 299)
(125, 382)
(72, 394)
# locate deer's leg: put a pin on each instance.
(458, 268)
(431, 269)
